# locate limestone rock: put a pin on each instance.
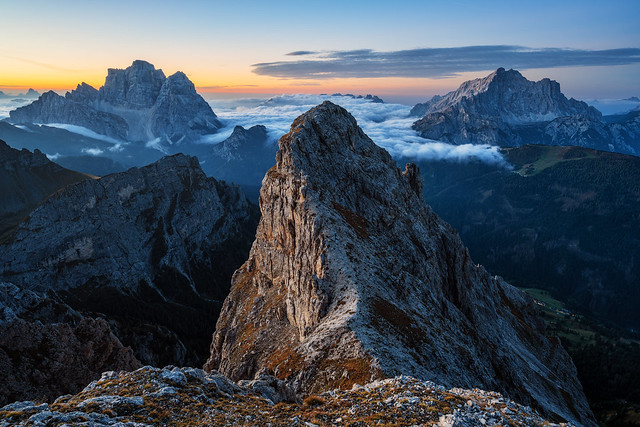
(353, 278)
(179, 113)
(187, 396)
(155, 245)
(136, 87)
(509, 96)
(508, 110)
(53, 108)
(135, 104)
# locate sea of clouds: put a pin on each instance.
(8, 104)
(388, 125)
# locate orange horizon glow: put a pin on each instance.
(251, 84)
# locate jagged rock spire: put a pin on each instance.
(353, 278)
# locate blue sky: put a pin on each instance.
(59, 44)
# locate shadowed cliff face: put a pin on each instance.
(152, 248)
(26, 179)
(353, 278)
(48, 349)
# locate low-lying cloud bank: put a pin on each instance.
(388, 125)
(438, 62)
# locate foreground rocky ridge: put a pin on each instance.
(152, 248)
(135, 104)
(508, 110)
(187, 396)
(353, 278)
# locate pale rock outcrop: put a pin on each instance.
(135, 104)
(353, 278)
(187, 396)
(508, 110)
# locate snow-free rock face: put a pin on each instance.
(26, 179)
(136, 104)
(53, 108)
(48, 349)
(508, 95)
(136, 87)
(191, 397)
(352, 278)
(508, 110)
(179, 113)
(156, 244)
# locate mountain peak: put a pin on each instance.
(140, 63)
(348, 260)
(137, 103)
(137, 86)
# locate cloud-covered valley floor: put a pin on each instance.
(388, 125)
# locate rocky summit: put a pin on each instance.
(507, 94)
(152, 248)
(352, 278)
(188, 396)
(135, 104)
(508, 110)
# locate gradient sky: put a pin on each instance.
(57, 44)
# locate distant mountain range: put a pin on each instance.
(135, 104)
(507, 110)
(31, 93)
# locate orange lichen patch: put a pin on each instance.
(349, 372)
(314, 400)
(285, 362)
(402, 401)
(358, 223)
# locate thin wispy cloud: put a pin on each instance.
(438, 62)
(43, 64)
(301, 52)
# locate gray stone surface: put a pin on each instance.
(508, 110)
(135, 104)
(152, 248)
(352, 278)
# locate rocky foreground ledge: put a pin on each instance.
(189, 396)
